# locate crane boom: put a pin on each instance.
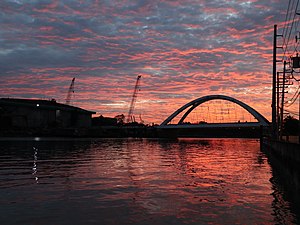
(133, 100)
(70, 91)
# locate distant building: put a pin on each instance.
(104, 121)
(37, 114)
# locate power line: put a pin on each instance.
(295, 13)
(286, 18)
(289, 26)
(294, 98)
(292, 112)
(296, 33)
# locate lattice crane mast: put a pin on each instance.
(70, 92)
(130, 117)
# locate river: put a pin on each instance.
(143, 181)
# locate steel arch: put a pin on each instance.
(195, 103)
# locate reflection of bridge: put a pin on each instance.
(239, 129)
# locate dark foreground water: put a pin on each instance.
(140, 181)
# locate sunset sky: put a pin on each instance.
(182, 49)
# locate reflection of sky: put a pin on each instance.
(186, 181)
(191, 179)
(34, 168)
(182, 49)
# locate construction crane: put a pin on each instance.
(70, 92)
(130, 117)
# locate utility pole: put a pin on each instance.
(282, 99)
(274, 116)
(277, 100)
(275, 87)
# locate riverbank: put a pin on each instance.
(287, 151)
(140, 131)
(99, 132)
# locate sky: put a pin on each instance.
(182, 49)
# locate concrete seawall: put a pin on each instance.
(288, 152)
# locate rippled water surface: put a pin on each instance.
(141, 181)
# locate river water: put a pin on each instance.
(143, 181)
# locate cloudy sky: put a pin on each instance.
(182, 49)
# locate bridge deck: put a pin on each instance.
(226, 130)
(210, 125)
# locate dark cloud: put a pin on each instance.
(24, 58)
(181, 48)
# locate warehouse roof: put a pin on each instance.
(42, 104)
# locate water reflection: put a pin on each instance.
(34, 168)
(140, 181)
(285, 182)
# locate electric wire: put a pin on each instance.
(293, 100)
(291, 112)
(287, 40)
(286, 16)
(298, 80)
(289, 28)
(296, 33)
(291, 25)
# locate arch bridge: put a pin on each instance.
(244, 129)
